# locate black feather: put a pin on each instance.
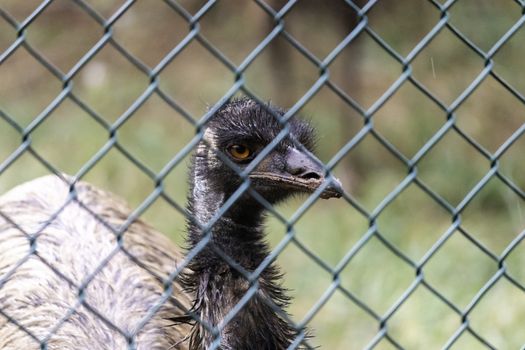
(238, 233)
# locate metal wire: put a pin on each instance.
(324, 80)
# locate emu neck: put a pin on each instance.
(219, 287)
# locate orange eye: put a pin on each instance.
(239, 152)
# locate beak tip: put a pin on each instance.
(333, 190)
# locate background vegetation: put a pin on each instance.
(413, 222)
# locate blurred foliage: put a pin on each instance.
(195, 79)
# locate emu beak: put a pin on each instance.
(300, 173)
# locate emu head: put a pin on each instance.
(238, 133)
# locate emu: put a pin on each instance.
(72, 279)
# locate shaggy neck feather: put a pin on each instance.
(219, 287)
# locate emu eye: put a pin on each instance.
(239, 152)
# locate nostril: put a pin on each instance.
(304, 173)
(301, 166)
(310, 175)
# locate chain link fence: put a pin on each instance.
(453, 280)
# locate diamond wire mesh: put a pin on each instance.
(279, 30)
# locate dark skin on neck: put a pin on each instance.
(238, 233)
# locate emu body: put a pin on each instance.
(76, 243)
(72, 281)
(241, 130)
